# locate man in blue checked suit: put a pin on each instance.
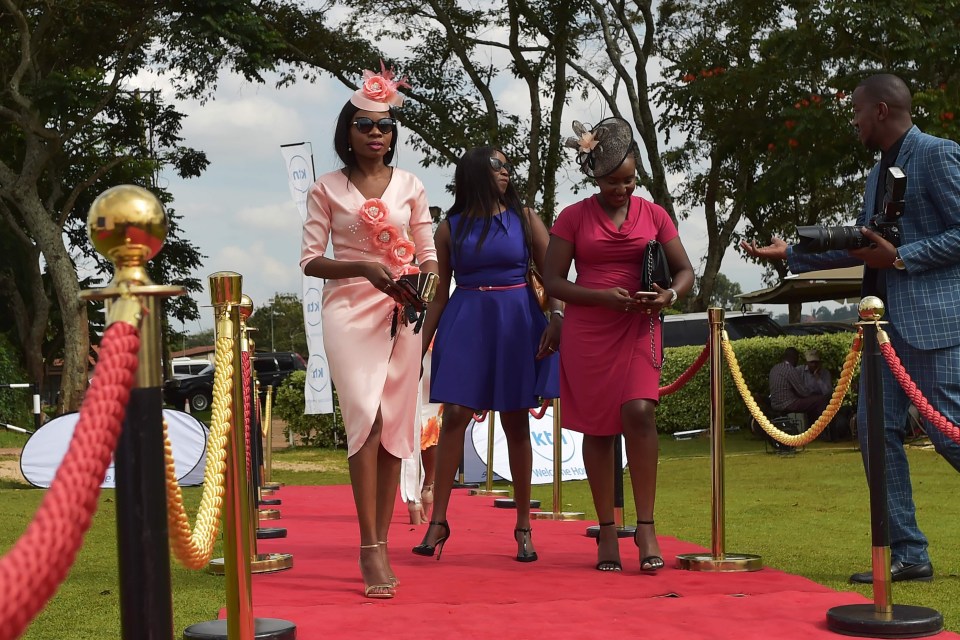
(919, 281)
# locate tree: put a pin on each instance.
(279, 324)
(74, 128)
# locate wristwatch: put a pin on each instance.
(673, 294)
(898, 262)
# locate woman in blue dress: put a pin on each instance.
(495, 349)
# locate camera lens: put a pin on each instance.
(816, 239)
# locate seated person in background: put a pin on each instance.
(816, 379)
(788, 391)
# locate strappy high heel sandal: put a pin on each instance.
(652, 563)
(523, 554)
(608, 565)
(425, 549)
(392, 578)
(375, 591)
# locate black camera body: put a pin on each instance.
(817, 239)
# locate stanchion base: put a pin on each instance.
(728, 563)
(466, 485)
(492, 492)
(263, 628)
(272, 486)
(269, 533)
(271, 502)
(269, 514)
(626, 531)
(905, 621)
(263, 563)
(264, 493)
(510, 503)
(553, 515)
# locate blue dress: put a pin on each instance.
(484, 353)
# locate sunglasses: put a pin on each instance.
(496, 164)
(384, 125)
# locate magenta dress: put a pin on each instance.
(370, 370)
(606, 355)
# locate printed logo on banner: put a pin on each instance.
(542, 441)
(312, 299)
(299, 170)
(318, 375)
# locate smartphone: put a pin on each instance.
(645, 294)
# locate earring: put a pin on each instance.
(349, 148)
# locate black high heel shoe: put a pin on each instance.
(650, 564)
(523, 555)
(424, 549)
(608, 565)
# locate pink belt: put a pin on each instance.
(496, 288)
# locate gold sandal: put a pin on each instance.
(376, 591)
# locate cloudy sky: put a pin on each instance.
(239, 212)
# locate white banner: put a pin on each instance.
(541, 441)
(317, 392)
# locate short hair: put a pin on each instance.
(341, 136)
(889, 89)
(790, 353)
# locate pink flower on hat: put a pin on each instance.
(587, 142)
(373, 212)
(382, 87)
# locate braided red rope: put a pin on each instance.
(33, 569)
(935, 418)
(480, 417)
(245, 366)
(684, 378)
(542, 411)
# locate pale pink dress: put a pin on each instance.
(370, 370)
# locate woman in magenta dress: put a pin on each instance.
(377, 219)
(610, 349)
(494, 349)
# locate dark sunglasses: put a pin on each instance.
(496, 164)
(384, 125)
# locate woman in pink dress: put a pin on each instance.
(610, 349)
(377, 219)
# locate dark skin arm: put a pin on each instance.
(444, 272)
(550, 338)
(378, 274)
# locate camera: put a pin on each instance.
(816, 239)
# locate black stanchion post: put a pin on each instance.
(37, 419)
(882, 619)
(116, 216)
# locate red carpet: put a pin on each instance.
(478, 591)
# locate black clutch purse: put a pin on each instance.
(420, 289)
(655, 268)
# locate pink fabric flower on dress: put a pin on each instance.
(401, 253)
(373, 212)
(385, 236)
(381, 87)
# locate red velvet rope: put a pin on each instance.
(245, 366)
(935, 418)
(684, 378)
(480, 417)
(542, 411)
(33, 569)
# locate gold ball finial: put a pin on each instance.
(246, 306)
(870, 309)
(127, 225)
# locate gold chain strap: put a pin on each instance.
(843, 384)
(195, 548)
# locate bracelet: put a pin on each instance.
(557, 312)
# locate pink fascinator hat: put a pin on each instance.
(379, 91)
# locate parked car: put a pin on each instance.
(271, 368)
(188, 366)
(818, 328)
(684, 329)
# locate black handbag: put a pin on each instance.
(420, 288)
(655, 268)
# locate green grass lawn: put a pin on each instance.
(806, 514)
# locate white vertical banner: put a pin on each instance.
(317, 392)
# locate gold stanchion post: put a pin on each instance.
(489, 490)
(718, 560)
(558, 513)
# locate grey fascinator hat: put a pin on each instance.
(603, 148)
